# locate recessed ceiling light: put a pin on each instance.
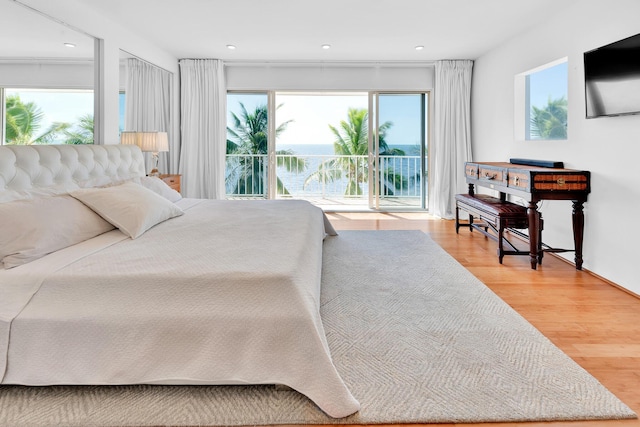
(419, 47)
(70, 45)
(231, 47)
(326, 46)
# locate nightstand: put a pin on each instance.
(172, 181)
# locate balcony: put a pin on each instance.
(332, 182)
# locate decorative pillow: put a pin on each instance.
(33, 228)
(160, 187)
(130, 207)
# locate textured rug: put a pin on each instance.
(415, 336)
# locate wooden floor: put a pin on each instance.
(595, 323)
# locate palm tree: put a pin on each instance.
(247, 174)
(23, 120)
(550, 122)
(352, 144)
(81, 133)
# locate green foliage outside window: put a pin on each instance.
(23, 126)
(550, 122)
(352, 144)
(248, 137)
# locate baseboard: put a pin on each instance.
(573, 264)
(597, 276)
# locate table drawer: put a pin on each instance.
(560, 182)
(471, 170)
(520, 179)
(496, 174)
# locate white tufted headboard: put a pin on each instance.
(30, 167)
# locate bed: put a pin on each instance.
(136, 285)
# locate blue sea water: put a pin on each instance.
(402, 170)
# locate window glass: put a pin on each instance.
(322, 144)
(542, 102)
(247, 145)
(121, 112)
(48, 116)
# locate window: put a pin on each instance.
(48, 116)
(542, 102)
(121, 112)
(323, 147)
(247, 145)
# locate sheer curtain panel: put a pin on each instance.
(148, 107)
(452, 138)
(203, 129)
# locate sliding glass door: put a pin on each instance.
(247, 168)
(398, 150)
(339, 150)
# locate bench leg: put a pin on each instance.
(458, 224)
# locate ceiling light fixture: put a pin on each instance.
(326, 46)
(231, 47)
(70, 45)
(419, 47)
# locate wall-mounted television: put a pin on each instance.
(612, 78)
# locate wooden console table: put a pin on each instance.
(535, 183)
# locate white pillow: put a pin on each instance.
(33, 228)
(54, 190)
(130, 207)
(160, 187)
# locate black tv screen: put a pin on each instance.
(612, 78)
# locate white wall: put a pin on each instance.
(38, 74)
(608, 147)
(330, 76)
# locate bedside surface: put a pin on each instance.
(172, 181)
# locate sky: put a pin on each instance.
(312, 115)
(59, 106)
(549, 82)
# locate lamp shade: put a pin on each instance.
(153, 142)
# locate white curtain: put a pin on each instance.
(148, 108)
(203, 130)
(452, 138)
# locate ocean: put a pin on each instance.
(401, 174)
(310, 149)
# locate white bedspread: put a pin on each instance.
(226, 294)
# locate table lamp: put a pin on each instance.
(149, 142)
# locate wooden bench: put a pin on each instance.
(494, 214)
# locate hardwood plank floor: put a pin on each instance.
(592, 321)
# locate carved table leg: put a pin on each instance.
(578, 231)
(534, 233)
(540, 228)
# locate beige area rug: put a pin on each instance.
(415, 336)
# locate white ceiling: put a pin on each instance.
(294, 30)
(24, 33)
